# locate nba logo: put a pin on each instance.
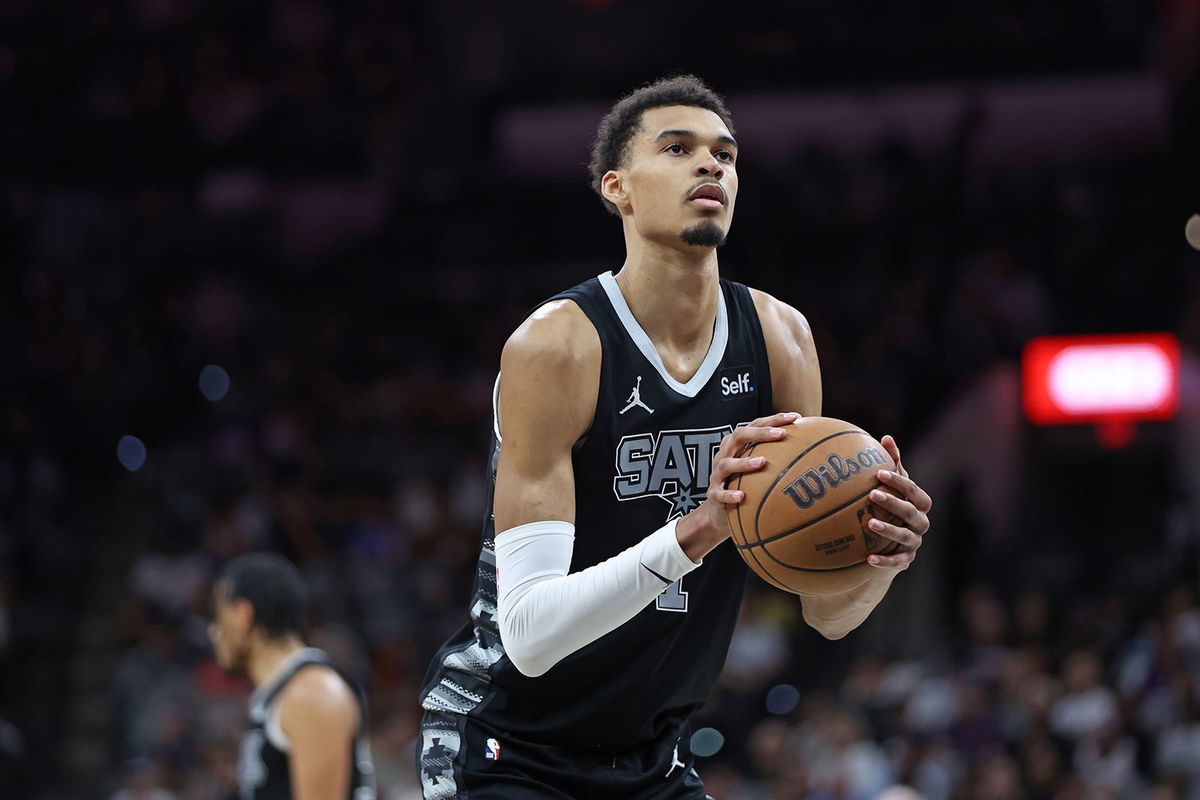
(493, 750)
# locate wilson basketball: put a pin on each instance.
(803, 523)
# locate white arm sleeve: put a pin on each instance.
(546, 614)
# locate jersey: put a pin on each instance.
(263, 766)
(644, 461)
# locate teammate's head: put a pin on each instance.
(257, 598)
(655, 149)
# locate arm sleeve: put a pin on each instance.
(546, 614)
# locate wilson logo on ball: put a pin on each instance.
(812, 484)
(803, 523)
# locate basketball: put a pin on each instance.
(803, 523)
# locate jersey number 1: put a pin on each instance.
(673, 598)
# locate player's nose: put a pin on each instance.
(710, 166)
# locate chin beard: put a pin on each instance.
(704, 234)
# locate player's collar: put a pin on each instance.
(716, 349)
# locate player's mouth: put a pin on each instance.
(709, 195)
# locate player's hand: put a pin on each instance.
(729, 463)
(912, 507)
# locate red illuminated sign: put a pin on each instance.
(1082, 379)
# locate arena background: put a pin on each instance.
(260, 260)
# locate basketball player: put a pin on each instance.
(606, 593)
(307, 733)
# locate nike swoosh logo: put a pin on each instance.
(655, 574)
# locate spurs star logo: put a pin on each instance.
(672, 465)
(635, 398)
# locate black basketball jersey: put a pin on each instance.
(645, 460)
(263, 766)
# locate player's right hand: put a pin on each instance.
(728, 461)
(711, 520)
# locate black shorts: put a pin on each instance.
(461, 758)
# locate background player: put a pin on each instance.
(580, 684)
(306, 735)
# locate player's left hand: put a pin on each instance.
(912, 506)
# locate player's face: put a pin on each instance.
(681, 176)
(229, 630)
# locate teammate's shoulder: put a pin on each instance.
(556, 333)
(320, 685)
(317, 702)
(780, 318)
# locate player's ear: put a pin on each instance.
(612, 188)
(245, 613)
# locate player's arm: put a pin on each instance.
(796, 383)
(320, 717)
(549, 379)
(792, 356)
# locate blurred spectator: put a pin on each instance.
(216, 777)
(394, 738)
(151, 689)
(143, 781)
(900, 793)
(313, 199)
(844, 763)
(1087, 706)
(1178, 746)
(1106, 761)
(997, 778)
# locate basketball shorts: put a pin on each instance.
(462, 758)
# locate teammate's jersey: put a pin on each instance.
(263, 766)
(645, 460)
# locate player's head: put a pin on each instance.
(257, 598)
(659, 146)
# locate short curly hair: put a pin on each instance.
(625, 118)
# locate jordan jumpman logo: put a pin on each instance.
(675, 762)
(635, 398)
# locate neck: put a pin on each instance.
(671, 291)
(267, 655)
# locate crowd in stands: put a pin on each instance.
(308, 200)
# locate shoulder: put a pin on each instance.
(317, 695)
(795, 370)
(550, 371)
(558, 335)
(782, 324)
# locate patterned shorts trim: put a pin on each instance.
(441, 741)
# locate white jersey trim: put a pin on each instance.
(269, 714)
(274, 730)
(496, 407)
(716, 350)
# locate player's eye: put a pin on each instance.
(725, 155)
(676, 148)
